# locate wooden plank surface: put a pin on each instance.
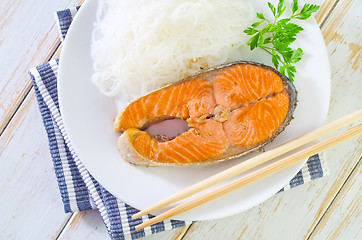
(85, 225)
(28, 36)
(89, 225)
(344, 35)
(32, 203)
(324, 11)
(343, 220)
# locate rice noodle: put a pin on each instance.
(139, 46)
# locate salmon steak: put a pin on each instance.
(231, 110)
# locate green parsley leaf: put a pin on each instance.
(260, 16)
(280, 8)
(261, 41)
(256, 24)
(267, 40)
(272, 8)
(306, 11)
(294, 6)
(296, 56)
(276, 36)
(253, 43)
(250, 31)
(276, 59)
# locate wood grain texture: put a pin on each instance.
(89, 225)
(30, 202)
(343, 34)
(85, 225)
(28, 36)
(31, 206)
(325, 10)
(343, 218)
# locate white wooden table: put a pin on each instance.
(30, 204)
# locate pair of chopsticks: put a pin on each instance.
(251, 163)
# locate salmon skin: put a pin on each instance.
(231, 110)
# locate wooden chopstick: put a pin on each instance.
(253, 162)
(254, 176)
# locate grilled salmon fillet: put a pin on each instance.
(231, 110)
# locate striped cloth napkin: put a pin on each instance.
(78, 189)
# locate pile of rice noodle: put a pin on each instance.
(139, 46)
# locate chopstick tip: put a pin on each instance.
(140, 226)
(137, 215)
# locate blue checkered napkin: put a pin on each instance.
(64, 19)
(78, 189)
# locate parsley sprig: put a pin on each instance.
(276, 36)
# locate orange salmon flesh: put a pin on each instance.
(230, 110)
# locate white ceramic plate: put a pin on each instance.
(88, 116)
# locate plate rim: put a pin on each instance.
(80, 13)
